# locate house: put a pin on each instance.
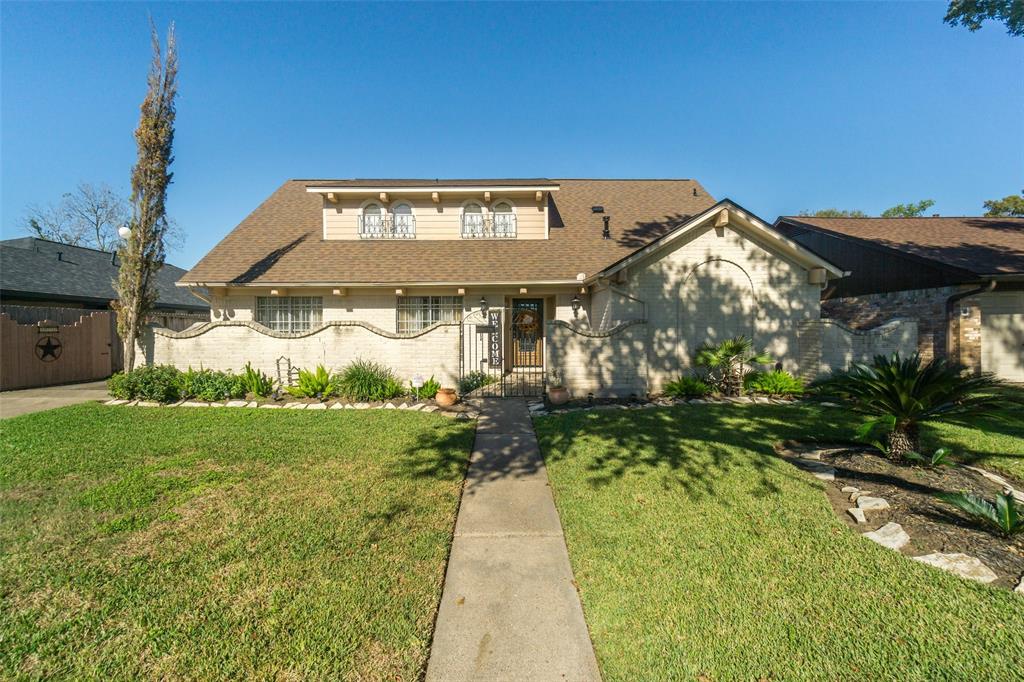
(40, 273)
(607, 286)
(961, 279)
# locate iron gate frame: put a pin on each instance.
(483, 345)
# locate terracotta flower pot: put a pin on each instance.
(558, 395)
(446, 397)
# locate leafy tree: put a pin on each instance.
(971, 13)
(89, 216)
(834, 213)
(1012, 205)
(910, 210)
(142, 254)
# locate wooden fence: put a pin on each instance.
(44, 346)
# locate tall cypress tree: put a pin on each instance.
(142, 253)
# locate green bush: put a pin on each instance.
(475, 380)
(776, 382)
(256, 382)
(1003, 515)
(316, 383)
(161, 383)
(727, 362)
(210, 385)
(687, 387)
(427, 391)
(366, 380)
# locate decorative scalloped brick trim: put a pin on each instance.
(199, 330)
(598, 334)
(889, 327)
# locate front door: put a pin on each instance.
(527, 332)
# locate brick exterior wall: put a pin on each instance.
(611, 362)
(826, 344)
(928, 308)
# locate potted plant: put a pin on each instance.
(557, 393)
(446, 397)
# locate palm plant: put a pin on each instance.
(726, 362)
(1003, 515)
(897, 394)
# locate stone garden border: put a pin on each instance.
(316, 407)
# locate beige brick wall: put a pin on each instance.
(229, 345)
(826, 344)
(606, 363)
(720, 284)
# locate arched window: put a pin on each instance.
(472, 219)
(504, 219)
(405, 224)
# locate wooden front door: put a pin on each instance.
(527, 332)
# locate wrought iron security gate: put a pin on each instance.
(503, 351)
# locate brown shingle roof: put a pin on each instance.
(983, 246)
(282, 240)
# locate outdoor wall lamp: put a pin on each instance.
(576, 303)
(483, 306)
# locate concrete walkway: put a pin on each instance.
(26, 400)
(509, 609)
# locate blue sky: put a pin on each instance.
(780, 107)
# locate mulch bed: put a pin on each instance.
(933, 525)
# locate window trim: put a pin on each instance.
(447, 308)
(286, 307)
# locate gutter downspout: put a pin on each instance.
(951, 302)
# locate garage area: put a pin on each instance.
(1002, 334)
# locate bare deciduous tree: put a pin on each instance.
(142, 254)
(89, 216)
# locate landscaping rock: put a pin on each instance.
(270, 406)
(389, 406)
(350, 407)
(890, 535)
(819, 470)
(339, 406)
(193, 403)
(828, 404)
(296, 406)
(1020, 586)
(416, 407)
(850, 489)
(148, 403)
(429, 408)
(237, 403)
(961, 564)
(810, 455)
(698, 401)
(252, 404)
(857, 514)
(116, 402)
(871, 503)
(403, 406)
(317, 406)
(362, 406)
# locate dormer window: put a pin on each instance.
(472, 220)
(504, 220)
(376, 223)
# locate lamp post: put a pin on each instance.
(484, 307)
(576, 305)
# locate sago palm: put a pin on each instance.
(899, 393)
(727, 361)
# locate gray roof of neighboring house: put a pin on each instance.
(37, 268)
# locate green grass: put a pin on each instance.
(699, 552)
(224, 543)
(994, 440)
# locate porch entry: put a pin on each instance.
(503, 350)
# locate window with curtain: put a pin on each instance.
(419, 312)
(289, 313)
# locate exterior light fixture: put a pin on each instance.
(124, 231)
(483, 306)
(576, 303)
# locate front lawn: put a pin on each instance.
(698, 552)
(224, 543)
(993, 440)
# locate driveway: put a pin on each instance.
(13, 403)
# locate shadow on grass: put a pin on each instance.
(692, 447)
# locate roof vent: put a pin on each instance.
(606, 233)
(694, 191)
(597, 209)
(60, 255)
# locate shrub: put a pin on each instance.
(687, 387)
(727, 361)
(897, 394)
(1003, 515)
(366, 380)
(427, 391)
(149, 382)
(210, 385)
(256, 382)
(316, 383)
(939, 458)
(776, 382)
(474, 380)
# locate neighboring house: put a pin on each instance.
(606, 285)
(40, 273)
(962, 279)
